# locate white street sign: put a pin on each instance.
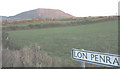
(104, 59)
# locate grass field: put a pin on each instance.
(58, 42)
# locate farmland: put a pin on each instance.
(51, 22)
(24, 25)
(58, 41)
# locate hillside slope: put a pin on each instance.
(42, 14)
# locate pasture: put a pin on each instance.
(58, 41)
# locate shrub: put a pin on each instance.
(31, 56)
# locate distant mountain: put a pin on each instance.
(42, 14)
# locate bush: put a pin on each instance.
(31, 56)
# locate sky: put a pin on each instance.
(79, 8)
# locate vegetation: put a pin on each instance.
(58, 42)
(53, 23)
(30, 57)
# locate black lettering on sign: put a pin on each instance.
(96, 57)
(116, 61)
(75, 54)
(102, 58)
(108, 59)
(79, 54)
(84, 55)
(92, 56)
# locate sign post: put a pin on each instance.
(98, 58)
(83, 65)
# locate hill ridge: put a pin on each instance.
(41, 13)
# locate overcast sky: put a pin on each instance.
(78, 8)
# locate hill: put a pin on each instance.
(41, 14)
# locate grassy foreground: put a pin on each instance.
(58, 42)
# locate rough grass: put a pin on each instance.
(30, 57)
(58, 42)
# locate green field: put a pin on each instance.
(59, 41)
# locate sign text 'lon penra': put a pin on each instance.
(104, 59)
